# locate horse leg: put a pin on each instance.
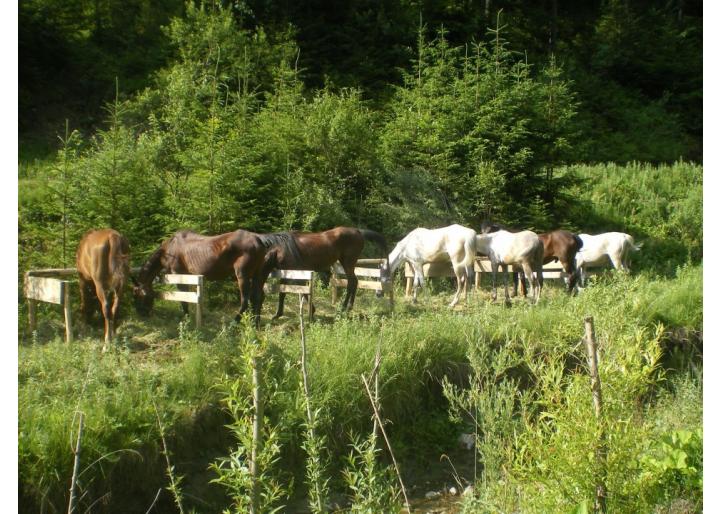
(571, 271)
(494, 264)
(105, 307)
(460, 275)
(505, 281)
(244, 286)
(351, 288)
(114, 313)
(418, 281)
(281, 305)
(532, 278)
(616, 261)
(86, 307)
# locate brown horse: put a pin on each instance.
(239, 253)
(103, 265)
(318, 251)
(560, 245)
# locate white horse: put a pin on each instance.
(455, 244)
(522, 249)
(597, 250)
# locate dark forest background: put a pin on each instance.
(636, 65)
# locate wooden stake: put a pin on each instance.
(76, 465)
(68, 313)
(387, 441)
(601, 452)
(257, 435)
(306, 383)
(198, 305)
(32, 315)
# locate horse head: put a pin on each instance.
(385, 278)
(144, 297)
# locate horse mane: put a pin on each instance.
(487, 227)
(285, 240)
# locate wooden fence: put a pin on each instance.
(551, 271)
(186, 281)
(280, 284)
(50, 290)
(368, 273)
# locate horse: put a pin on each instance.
(102, 261)
(240, 253)
(454, 243)
(318, 251)
(558, 245)
(521, 249)
(596, 250)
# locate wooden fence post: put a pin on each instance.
(32, 315)
(257, 433)
(68, 313)
(601, 451)
(198, 305)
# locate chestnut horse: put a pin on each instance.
(559, 245)
(318, 251)
(239, 253)
(103, 266)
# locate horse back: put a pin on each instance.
(103, 257)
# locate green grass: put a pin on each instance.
(164, 359)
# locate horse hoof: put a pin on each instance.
(508, 303)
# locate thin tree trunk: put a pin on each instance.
(601, 451)
(387, 441)
(257, 435)
(76, 466)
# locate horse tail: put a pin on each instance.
(578, 241)
(284, 240)
(119, 256)
(377, 238)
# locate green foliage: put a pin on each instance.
(672, 466)
(660, 206)
(479, 131)
(370, 482)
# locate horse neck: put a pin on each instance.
(152, 267)
(397, 256)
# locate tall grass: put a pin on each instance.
(421, 346)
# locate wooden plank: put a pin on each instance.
(367, 272)
(179, 296)
(292, 288)
(45, 289)
(359, 271)
(292, 274)
(370, 261)
(32, 316)
(185, 279)
(362, 284)
(53, 272)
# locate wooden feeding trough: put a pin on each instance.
(51, 290)
(368, 273)
(293, 281)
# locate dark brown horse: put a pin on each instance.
(239, 253)
(103, 267)
(561, 245)
(318, 251)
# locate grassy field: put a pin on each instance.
(515, 377)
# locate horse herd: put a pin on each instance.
(103, 260)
